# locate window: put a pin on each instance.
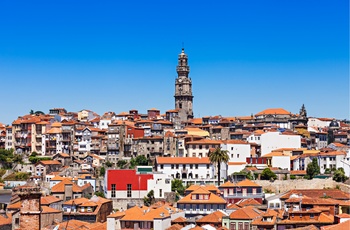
(113, 190)
(17, 221)
(162, 166)
(254, 191)
(177, 166)
(160, 192)
(172, 166)
(312, 215)
(233, 226)
(196, 166)
(128, 188)
(237, 155)
(191, 166)
(246, 225)
(240, 225)
(208, 166)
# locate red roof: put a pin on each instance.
(122, 177)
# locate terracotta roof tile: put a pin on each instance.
(46, 200)
(341, 226)
(213, 199)
(246, 213)
(247, 183)
(248, 202)
(273, 111)
(49, 162)
(46, 209)
(175, 227)
(6, 221)
(215, 217)
(58, 188)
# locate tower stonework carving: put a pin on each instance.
(183, 89)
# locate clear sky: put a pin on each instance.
(245, 56)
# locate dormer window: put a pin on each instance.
(194, 197)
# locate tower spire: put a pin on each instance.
(183, 88)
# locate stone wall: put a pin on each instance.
(281, 186)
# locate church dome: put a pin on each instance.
(334, 124)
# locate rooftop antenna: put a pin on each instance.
(183, 45)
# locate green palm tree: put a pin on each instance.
(218, 156)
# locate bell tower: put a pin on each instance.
(183, 88)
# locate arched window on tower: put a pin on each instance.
(180, 105)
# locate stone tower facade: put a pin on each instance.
(29, 218)
(183, 88)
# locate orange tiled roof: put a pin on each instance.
(273, 111)
(46, 200)
(175, 227)
(58, 188)
(232, 206)
(73, 224)
(275, 154)
(88, 204)
(235, 142)
(317, 193)
(205, 142)
(228, 184)
(16, 205)
(76, 201)
(46, 209)
(215, 217)
(4, 220)
(54, 130)
(247, 183)
(180, 219)
(50, 162)
(341, 226)
(248, 202)
(246, 213)
(183, 160)
(213, 199)
(210, 187)
(145, 213)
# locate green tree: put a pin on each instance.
(100, 194)
(177, 186)
(312, 168)
(109, 164)
(248, 175)
(6, 158)
(267, 174)
(217, 157)
(121, 163)
(149, 199)
(139, 160)
(102, 171)
(339, 175)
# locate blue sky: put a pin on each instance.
(245, 56)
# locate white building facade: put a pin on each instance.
(276, 140)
